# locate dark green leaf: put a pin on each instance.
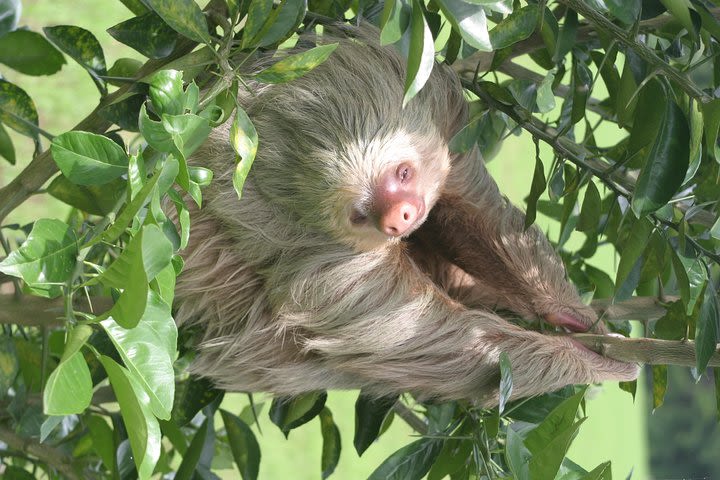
(69, 388)
(9, 15)
(17, 110)
(590, 211)
(397, 15)
(536, 189)
(124, 113)
(707, 328)
(517, 26)
(566, 37)
(9, 364)
(672, 325)
(148, 34)
(243, 444)
(289, 16)
(142, 427)
(506, 382)
(184, 16)
(296, 66)
(7, 150)
(30, 53)
(289, 413)
(331, 443)
(135, 6)
(559, 419)
(370, 412)
(81, 46)
(711, 115)
(517, 455)
(581, 82)
(12, 472)
(166, 92)
(452, 458)
(259, 13)
(545, 96)
(47, 258)
(191, 459)
(421, 54)
(627, 11)
(469, 20)
(667, 163)
(632, 250)
(124, 68)
(97, 200)
(412, 462)
(87, 158)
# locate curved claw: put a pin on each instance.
(567, 321)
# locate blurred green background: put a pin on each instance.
(683, 434)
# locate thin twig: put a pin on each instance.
(415, 422)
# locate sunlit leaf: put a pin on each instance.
(244, 139)
(82, 46)
(87, 158)
(69, 388)
(659, 385)
(421, 54)
(397, 15)
(166, 91)
(17, 110)
(296, 66)
(470, 21)
(30, 53)
(517, 26)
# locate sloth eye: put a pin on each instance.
(357, 217)
(404, 172)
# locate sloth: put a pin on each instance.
(364, 254)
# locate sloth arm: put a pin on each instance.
(477, 229)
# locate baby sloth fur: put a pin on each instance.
(364, 254)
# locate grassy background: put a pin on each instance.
(615, 429)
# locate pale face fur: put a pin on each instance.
(292, 297)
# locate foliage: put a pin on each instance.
(648, 69)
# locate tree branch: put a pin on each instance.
(415, 422)
(32, 311)
(650, 351)
(46, 454)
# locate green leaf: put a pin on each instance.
(184, 16)
(545, 96)
(581, 83)
(696, 137)
(30, 53)
(87, 158)
(707, 328)
(17, 110)
(124, 112)
(506, 381)
(69, 387)
(517, 26)
(166, 91)
(124, 68)
(627, 11)
(9, 364)
(452, 458)
(46, 260)
(191, 396)
(680, 9)
(102, 439)
(285, 21)
(244, 139)
(243, 445)
(7, 150)
(142, 427)
(331, 443)
(421, 54)
(397, 15)
(191, 459)
(155, 134)
(711, 116)
(470, 21)
(9, 15)
(295, 66)
(259, 13)
(590, 210)
(82, 46)
(659, 386)
(370, 413)
(559, 419)
(667, 163)
(411, 462)
(289, 413)
(566, 36)
(148, 34)
(517, 455)
(536, 189)
(187, 131)
(632, 250)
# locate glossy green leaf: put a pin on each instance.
(69, 387)
(82, 46)
(87, 158)
(97, 200)
(148, 34)
(154, 133)
(667, 163)
(166, 91)
(590, 210)
(244, 139)
(289, 413)
(711, 116)
(9, 364)
(144, 431)
(397, 15)
(30, 53)
(470, 21)
(9, 15)
(259, 13)
(517, 455)
(7, 149)
(17, 110)
(191, 459)
(187, 131)
(411, 462)
(696, 136)
(627, 11)
(124, 68)
(517, 26)
(148, 351)
(707, 329)
(506, 381)
(370, 413)
(46, 260)
(536, 189)
(243, 444)
(288, 18)
(295, 66)
(184, 16)
(331, 443)
(651, 105)
(421, 54)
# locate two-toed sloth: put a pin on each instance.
(364, 254)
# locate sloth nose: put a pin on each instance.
(398, 219)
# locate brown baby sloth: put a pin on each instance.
(364, 254)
